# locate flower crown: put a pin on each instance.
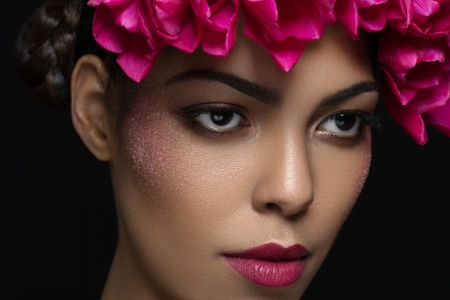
(413, 43)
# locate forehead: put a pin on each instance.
(335, 61)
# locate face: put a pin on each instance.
(232, 178)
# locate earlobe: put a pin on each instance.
(89, 114)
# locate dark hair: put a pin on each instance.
(50, 43)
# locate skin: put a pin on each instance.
(186, 195)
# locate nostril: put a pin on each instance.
(273, 206)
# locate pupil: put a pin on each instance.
(345, 121)
(221, 118)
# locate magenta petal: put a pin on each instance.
(218, 43)
(107, 34)
(369, 3)
(423, 9)
(373, 18)
(126, 16)
(94, 2)
(327, 9)
(400, 13)
(408, 93)
(173, 7)
(169, 25)
(425, 75)
(286, 53)
(347, 14)
(219, 32)
(264, 10)
(441, 22)
(219, 20)
(399, 52)
(428, 100)
(137, 61)
(440, 119)
(407, 116)
(421, 18)
(145, 24)
(108, 2)
(225, 17)
(190, 35)
(300, 19)
(404, 94)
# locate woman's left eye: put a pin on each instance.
(342, 124)
(219, 120)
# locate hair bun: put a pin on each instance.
(46, 50)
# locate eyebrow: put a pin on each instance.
(261, 93)
(350, 92)
(268, 95)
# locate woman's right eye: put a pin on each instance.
(219, 120)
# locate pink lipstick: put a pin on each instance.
(270, 264)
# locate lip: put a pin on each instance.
(270, 264)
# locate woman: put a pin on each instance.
(288, 151)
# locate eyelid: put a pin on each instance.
(369, 117)
(198, 109)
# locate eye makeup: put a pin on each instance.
(216, 118)
(359, 117)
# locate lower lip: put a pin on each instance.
(268, 273)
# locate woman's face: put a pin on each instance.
(222, 155)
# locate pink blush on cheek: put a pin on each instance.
(364, 172)
(149, 143)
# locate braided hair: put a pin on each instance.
(49, 45)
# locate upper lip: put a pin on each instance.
(273, 252)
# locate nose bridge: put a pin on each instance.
(286, 183)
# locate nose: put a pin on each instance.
(285, 183)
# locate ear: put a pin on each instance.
(89, 114)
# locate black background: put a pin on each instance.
(57, 220)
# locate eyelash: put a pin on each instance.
(371, 120)
(194, 112)
(191, 113)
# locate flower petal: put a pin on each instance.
(219, 19)
(137, 61)
(431, 99)
(407, 116)
(107, 34)
(440, 119)
(425, 75)
(347, 14)
(402, 92)
(373, 18)
(126, 16)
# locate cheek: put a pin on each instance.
(152, 150)
(176, 179)
(340, 176)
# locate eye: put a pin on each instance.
(219, 120)
(342, 124)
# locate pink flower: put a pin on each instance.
(283, 27)
(416, 86)
(327, 9)
(430, 18)
(371, 15)
(219, 18)
(116, 29)
(174, 21)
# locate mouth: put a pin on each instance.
(270, 264)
